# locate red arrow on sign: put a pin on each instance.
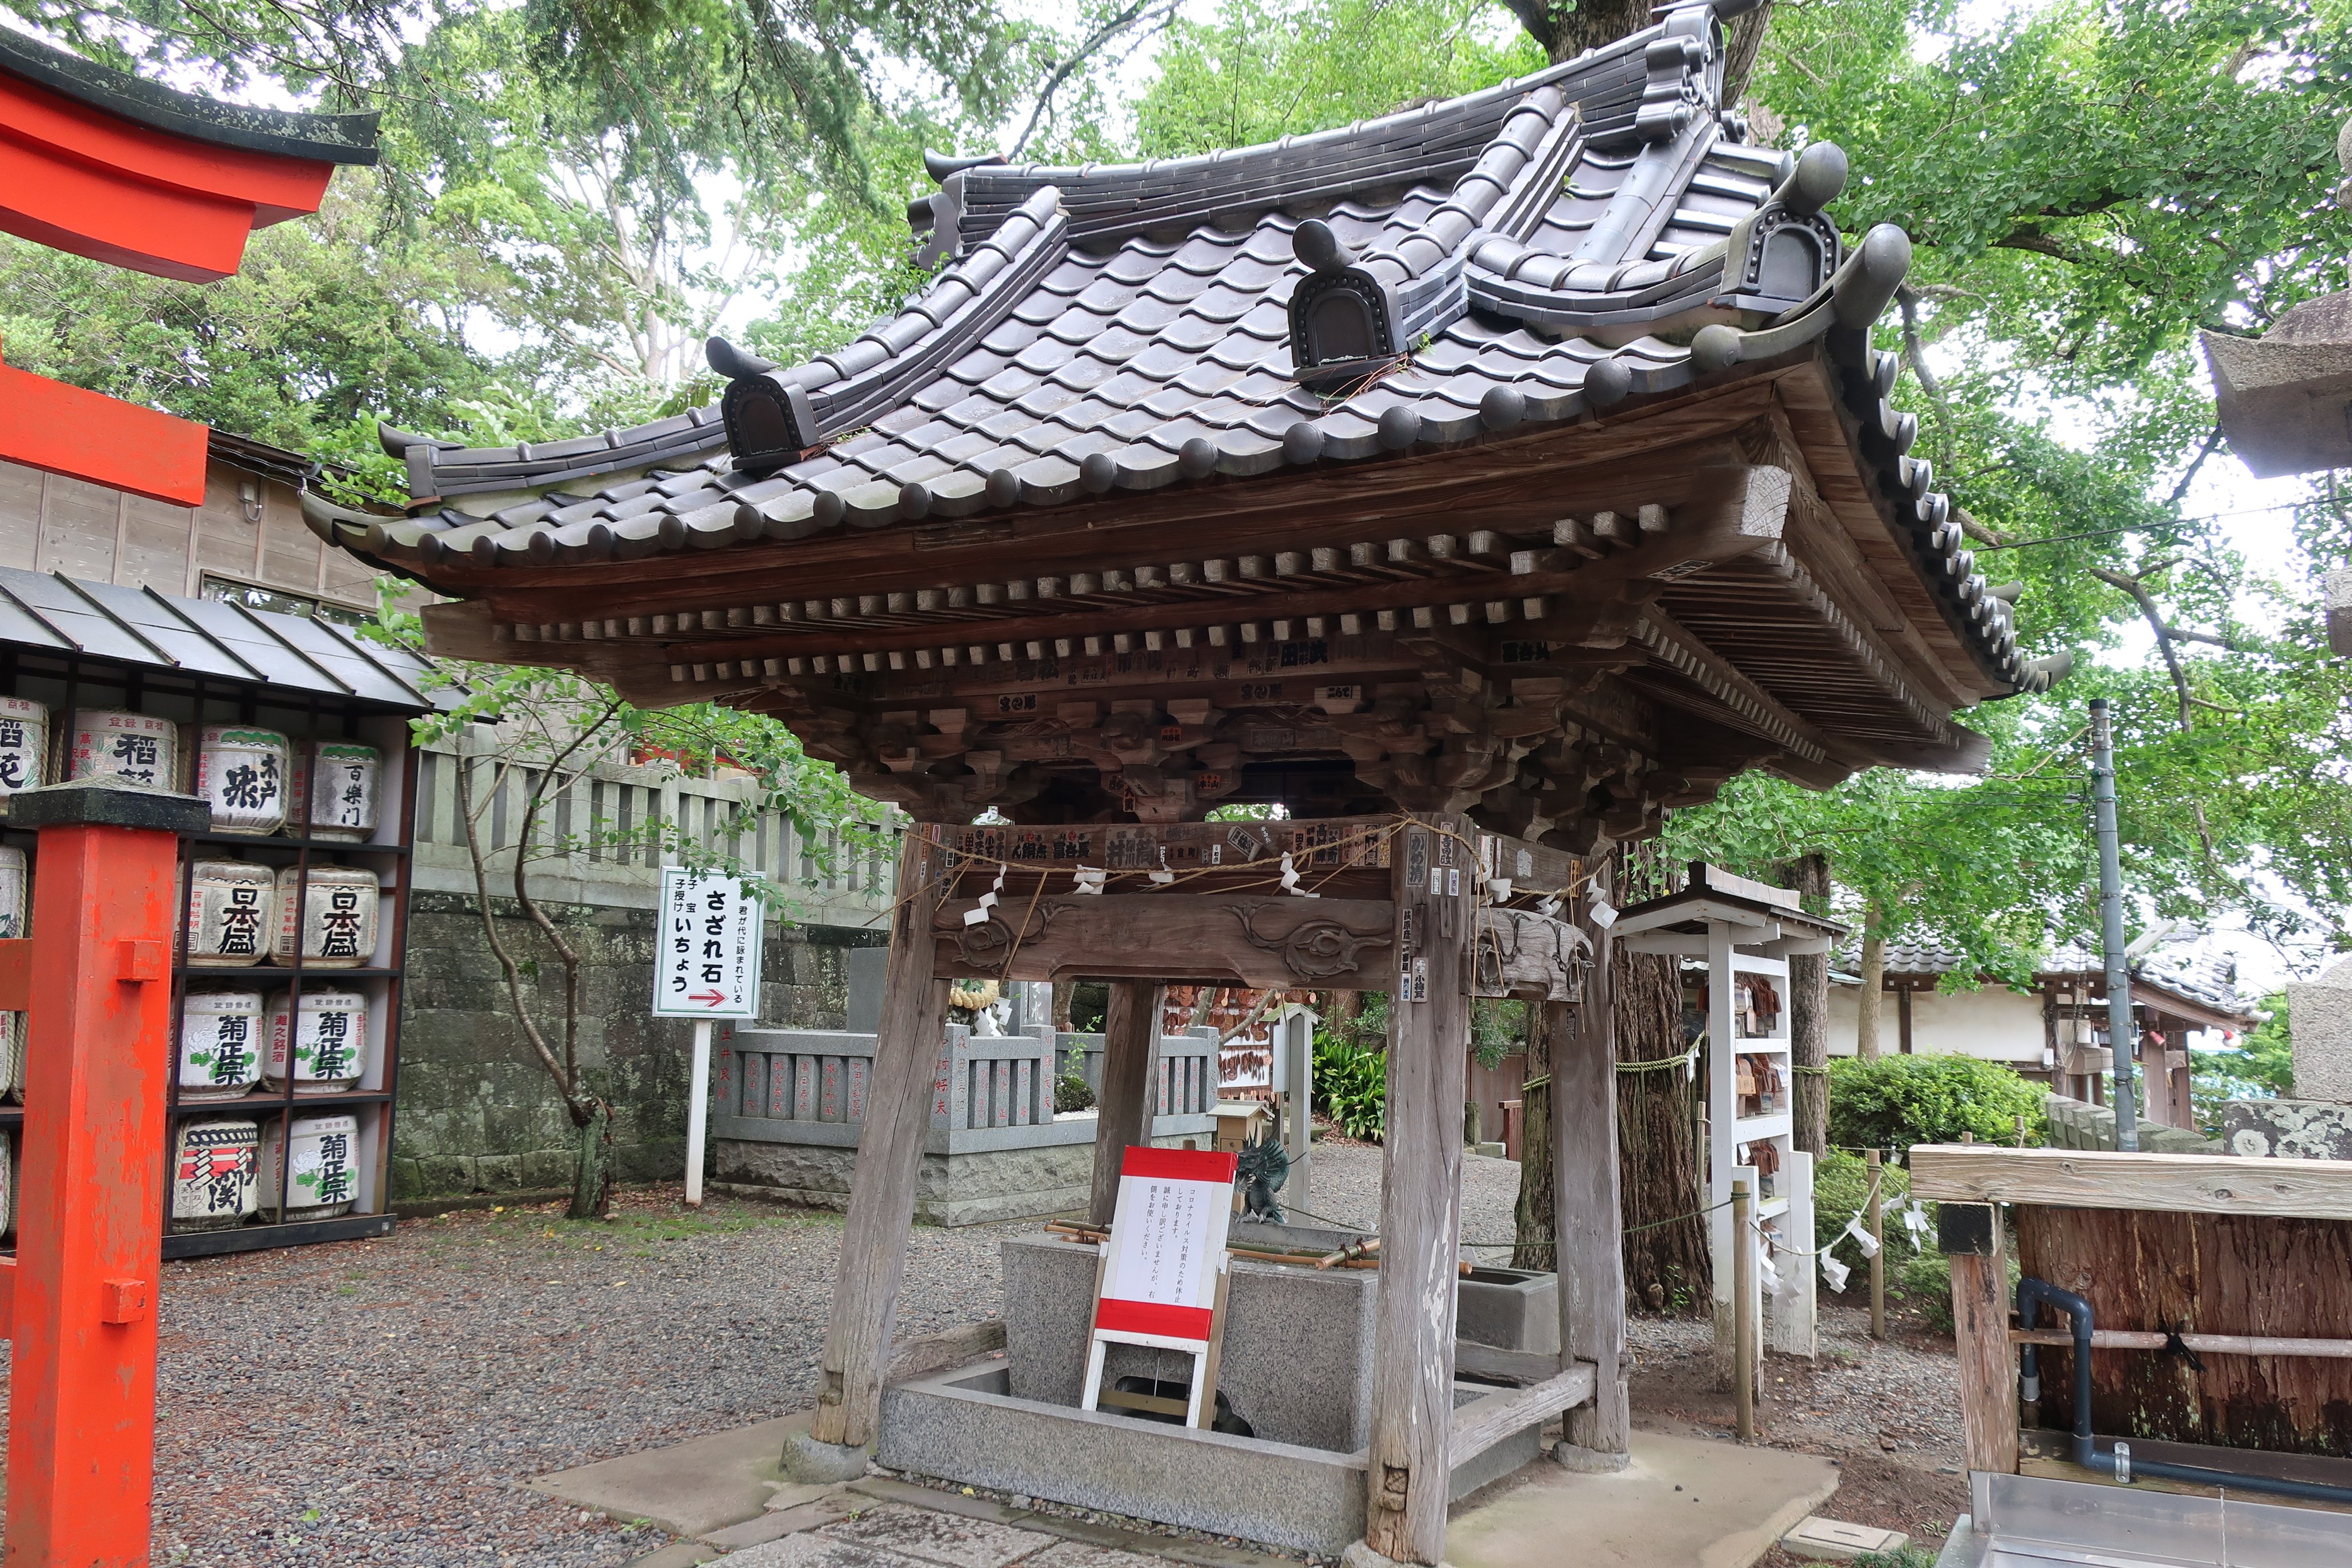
(713, 998)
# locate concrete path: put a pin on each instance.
(1684, 1502)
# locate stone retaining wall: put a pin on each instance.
(476, 1111)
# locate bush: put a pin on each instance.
(1899, 1100)
(1351, 1086)
(1071, 1095)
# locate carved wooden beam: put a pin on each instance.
(1333, 944)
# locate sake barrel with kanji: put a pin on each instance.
(214, 1167)
(24, 745)
(324, 1180)
(326, 1035)
(220, 1045)
(230, 909)
(333, 920)
(133, 748)
(343, 780)
(16, 899)
(240, 774)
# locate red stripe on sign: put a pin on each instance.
(1179, 1165)
(1153, 1317)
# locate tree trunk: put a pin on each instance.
(592, 1168)
(1808, 1013)
(1874, 986)
(1534, 1229)
(1062, 992)
(1666, 1263)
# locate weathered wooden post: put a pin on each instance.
(1878, 1249)
(1589, 1252)
(1123, 1109)
(82, 1317)
(1971, 1235)
(882, 1191)
(1434, 880)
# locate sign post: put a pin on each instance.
(706, 967)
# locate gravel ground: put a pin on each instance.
(372, 1404)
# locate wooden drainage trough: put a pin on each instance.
(2222, 1340)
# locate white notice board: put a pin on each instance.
(708, 962)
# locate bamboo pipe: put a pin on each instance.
(2214, 1343)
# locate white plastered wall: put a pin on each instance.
(1993, 1022)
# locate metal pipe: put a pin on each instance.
(2032, 1293)
(2111, 926)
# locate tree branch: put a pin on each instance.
(2213, 443)
(1086, 51)
(2163, 645)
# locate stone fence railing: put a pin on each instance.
(616, 801)
(2079, 1124)
(1184, 1074)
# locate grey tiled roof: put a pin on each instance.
(1552, 247)
(205, 637)
(2189, 965)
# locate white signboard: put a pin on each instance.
(707, 965)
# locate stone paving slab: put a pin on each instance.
(944, 1539)
(689, 1489)
(1684, 1502)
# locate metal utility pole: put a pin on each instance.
(2111, 926)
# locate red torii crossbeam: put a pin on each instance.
(95, 983)
(105, 165)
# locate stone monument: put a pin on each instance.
(2317, 1123)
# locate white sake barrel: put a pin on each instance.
(24, 745)
(343, 780)
(214, 1164)
(16, 903)
(334, 918)
(328, 1037)
(240, 774)
(132, 748)
(325, 1178)
(230, 909)
(220, 1045)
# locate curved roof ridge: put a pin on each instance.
(286, 133)
(1433, 142)
(845, 387)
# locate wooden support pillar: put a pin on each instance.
(1973, 1236)
(1123, 1109)
(882, 1192)
(1902, 1015)
(1411, 1473)
(1588, 1219)
(81, 1418)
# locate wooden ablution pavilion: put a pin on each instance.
(1478, 482)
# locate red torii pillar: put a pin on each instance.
(94, 981)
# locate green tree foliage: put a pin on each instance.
(1351, 1086)
(1899, 1100)
(327, 326)
(1258, 70)
(2260, 1067)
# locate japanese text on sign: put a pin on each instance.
(708, 961)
